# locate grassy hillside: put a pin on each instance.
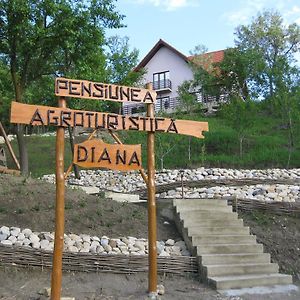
(265, 145)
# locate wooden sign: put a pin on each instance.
(102, 91)
(97, 154)
(38, 115)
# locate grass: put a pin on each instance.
(265, 145)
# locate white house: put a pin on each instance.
(167, 68)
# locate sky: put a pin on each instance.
(184, 24)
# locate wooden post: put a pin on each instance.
(75, 167)
(59, 211)
(152, 255)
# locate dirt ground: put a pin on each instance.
(30, 203)
(27, 284)
(280, 236)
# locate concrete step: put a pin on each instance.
(240, 269)
(191, 204)
(237, 258)
(205, 207)
(223, 239)
(241, 281)
(207, 214)
(197, 230)
(212, 202)
(213, 222)
(229, 248)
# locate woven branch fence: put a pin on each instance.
(86, 262)
(207, 183)
(279, 208)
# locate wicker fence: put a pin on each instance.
(85, 262)
(279, 208)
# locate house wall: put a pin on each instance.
(167, 60)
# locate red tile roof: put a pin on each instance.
(214, 56)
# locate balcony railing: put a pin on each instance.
(162, 85)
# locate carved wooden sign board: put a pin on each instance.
(38, 115)
(101, 91)
(97, 154)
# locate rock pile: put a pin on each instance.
(132, 181)
(269, 193)
(14, 236)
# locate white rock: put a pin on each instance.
(3, 236)
(21, 236)
(5, 230)
(12, 238)
(44, 244)
(170, 242)
(140, 245)
(15, 231)
(34, 238)
(6, 243)
(75, 237)
(49, 236)
(95, 238)
(85, 238)
(27, 232)
(107, 248)
(36, 245)
(164, 253)
(104, 241)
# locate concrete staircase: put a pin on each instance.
(229, 256)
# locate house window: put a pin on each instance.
(161, 80)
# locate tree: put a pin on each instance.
(120, 64)
(270, 46)
(208, 75)
(6, 93)
(187, 99)
(272, 72)
(51, 37)
(121, 61)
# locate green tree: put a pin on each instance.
(120, 65)
(187, 99)
(270, 46)
(42, 38)
(121, 61)
(6, 93)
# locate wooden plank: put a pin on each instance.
(38, 115)
(84, 89)
(97, 154)
(5, 170)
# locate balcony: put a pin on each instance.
(162, 85)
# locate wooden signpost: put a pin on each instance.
(97, 154)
